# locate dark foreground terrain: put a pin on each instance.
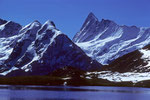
(67, 76)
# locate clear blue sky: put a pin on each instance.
(69, 15)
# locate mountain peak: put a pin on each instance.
(50, 23)
(2, 21)
(36, 21)
(92, 16)
(90, 22)
(91, 19)
(31, 25)
(91, 27)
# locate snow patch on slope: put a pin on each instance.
(121, 77)
(146, 57)
(146, 54)
(5, 48)
(2, 27)
(10, 70)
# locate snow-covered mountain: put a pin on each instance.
(106, 41)
(38, 49)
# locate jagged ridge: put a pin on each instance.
(38, 49)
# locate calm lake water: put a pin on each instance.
(72, 93)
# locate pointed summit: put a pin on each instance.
(31, 25)
(90, 20)
(91, 28)
(88, 27)
(35, 23)
(91, 15)
(50, 24)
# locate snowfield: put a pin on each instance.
(120, 77)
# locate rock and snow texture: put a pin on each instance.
(38, 49)
(134, 67)
(106, 41)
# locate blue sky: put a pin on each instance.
(69, 15)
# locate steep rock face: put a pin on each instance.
(27, 37)
(9, 28)
(40, 49)
(106, 41)
(9, 34)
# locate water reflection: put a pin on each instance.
(43, 99)
(72, 93)
(84, 88)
